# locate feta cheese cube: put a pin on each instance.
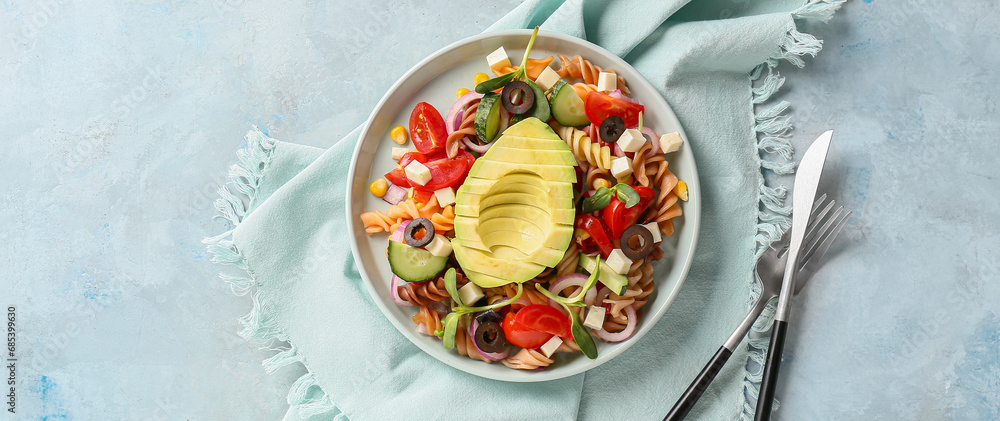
(439, 246)
(498, 59)
(621, 167)
(470, 293)
(670, 142)
(618, 262)
(654, 229)
(550, 347)
(595, 317)
(547, 79)
(398, 153)
(631, 140)
(607, 81)
(417, 173)
(445, 196)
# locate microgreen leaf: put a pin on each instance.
(600, 200)
(495, 83)
(640, 121)
(450, 323)
(582, 336)
(631, 197)
(524, 60)
(451, 284)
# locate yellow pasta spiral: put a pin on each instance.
(586, 150)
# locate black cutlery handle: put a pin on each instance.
(699, 385)
(771, 365)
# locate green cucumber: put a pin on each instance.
(616, 282)
(413, 264)
(540, 109)
(567, 107)
(488, 117)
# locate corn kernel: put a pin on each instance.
(480, 78)
(461, 92)
(601, 182)
(398, 134)
(681, 190)
(378, 187)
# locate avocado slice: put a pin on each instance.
(515, 213)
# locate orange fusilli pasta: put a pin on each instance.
(535, 67)
(581, 68)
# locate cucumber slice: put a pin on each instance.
(488, 117)
(616, 282)
(540, 109)
(567, 107)
(413, 264)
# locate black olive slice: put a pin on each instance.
(637, 234)
(489, 337)
(490, 315)
(526, 94)
(612, 129)
(415, 226)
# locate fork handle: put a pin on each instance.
(699, 385)
(771, 365)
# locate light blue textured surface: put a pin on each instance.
(119, 122)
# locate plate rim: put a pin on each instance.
(692, 208)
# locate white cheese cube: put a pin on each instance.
(439, 246)
(498, 59)
(469, 294)
(550, 347)
(670, 142)
(398, 153)
(547, 79)
(631, 140)
(607, 81)
(618, 262)
(654, 229)
(595, 317)
(417, 173)
(621, 167)
(445, 196)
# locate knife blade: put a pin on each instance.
(807, 178)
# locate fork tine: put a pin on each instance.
(809, 247)
(781, 245)
(816, 218)
(809, 265)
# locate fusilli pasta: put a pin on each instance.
(466, 128)
(535, 67)
(579, 67)
(424, 293)
(586, 150)
(527, 359)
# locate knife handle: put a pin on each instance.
(770, 379)
(699, 385)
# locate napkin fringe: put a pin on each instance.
(235, 200)
(773, 127)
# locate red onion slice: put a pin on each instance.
(481, 149)
(495, 356)
(394, 195)
(625, 333)
(421, 328)
(397, 235)
(654, 139)
(395, 293)
(617, 94)
(454, 118)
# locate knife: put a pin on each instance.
(806, 182)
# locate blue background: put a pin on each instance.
(119, 123)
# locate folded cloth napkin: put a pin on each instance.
(714, 62)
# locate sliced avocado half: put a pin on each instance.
(514, 213)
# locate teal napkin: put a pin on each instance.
(714, 62)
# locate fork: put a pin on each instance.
(768, 273)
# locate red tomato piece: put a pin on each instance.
(543, 318)
(445, 172)
(422, 196)
(427, 128)
(618, 218)
(597, 232)
(521, 336)
(599, 106)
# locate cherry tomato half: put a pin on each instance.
(618, 218)
(445, 172)
(543, 318)
(427, 128)
(599, 106)
(519, 335)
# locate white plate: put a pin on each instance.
(435, 80)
